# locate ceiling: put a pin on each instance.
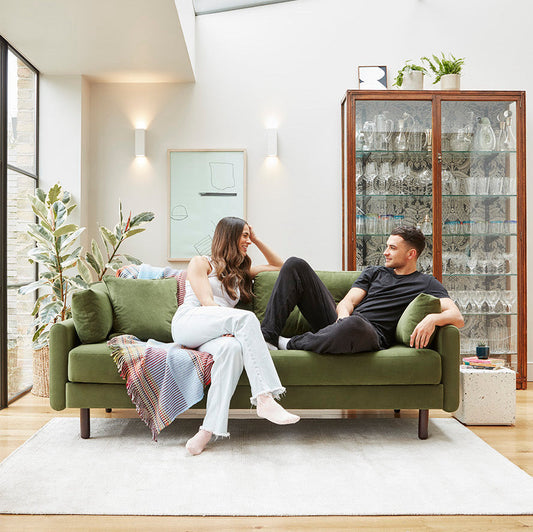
(205, 7)
(105, 40)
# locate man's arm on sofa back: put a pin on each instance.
(447, 343)
(62, 339)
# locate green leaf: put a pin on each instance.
(118, 233)
(134, 232)
(97, 254)
(54, 193)
(78, 283)
(39, 208)
(142, 218)
(120, 211)
(108, 236)
(41, 234)
(71, 238)
(92, 262)
(84, 271)
(65, 230)
(131, 259)
(50, 311)
(41, 195)
(60, 213)
(31, 287)
(71, 208)
(67, 196)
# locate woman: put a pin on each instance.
(208, 322)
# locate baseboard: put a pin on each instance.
(530, 372)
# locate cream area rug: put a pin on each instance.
(316, 467)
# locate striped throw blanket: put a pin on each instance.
(162, 380)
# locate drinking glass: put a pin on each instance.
(358, 175)
(371, 172)
(399, 172)
(495, 185)
(479, 299)
(482, 185)
(425, 180)
(493, 296)
(509, 299)
(471, 185)
(471, 262)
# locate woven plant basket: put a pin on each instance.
(41, 372)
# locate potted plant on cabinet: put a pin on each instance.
(410, 77)
(57, 254)
(447, 70)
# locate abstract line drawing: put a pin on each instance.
(222, 175)
(179, 213)
(203, 246)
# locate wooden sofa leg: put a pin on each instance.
(85, 423)
(423, 421)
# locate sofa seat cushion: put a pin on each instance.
(93, 363)
(398, 365)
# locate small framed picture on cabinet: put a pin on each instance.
(372, 77)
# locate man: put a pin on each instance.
(365, 320)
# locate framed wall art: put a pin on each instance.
(203, 187)
(372, 77)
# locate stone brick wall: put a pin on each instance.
(22, 154)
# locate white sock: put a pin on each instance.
(282, 342)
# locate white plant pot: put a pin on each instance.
(450, 82)
(413, 81)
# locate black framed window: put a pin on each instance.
(19, 175)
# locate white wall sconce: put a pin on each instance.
(140, 137)
(272, 142)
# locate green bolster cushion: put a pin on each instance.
(92, 314)
(416, 311)
(143, 307)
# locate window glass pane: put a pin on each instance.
(19, 272)
(21, 114)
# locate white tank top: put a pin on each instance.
(220, 295)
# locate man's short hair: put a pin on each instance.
(413, 236)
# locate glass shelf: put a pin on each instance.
(479, 274)
(483, 196)
(489, 313)
(394, 196)
(359, 154)
(446, 235)
(478, 152)
(477, 234)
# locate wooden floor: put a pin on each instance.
(30, 413)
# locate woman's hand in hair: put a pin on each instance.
(253, 236)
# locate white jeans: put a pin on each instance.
(202, 328)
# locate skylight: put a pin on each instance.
(205, 7)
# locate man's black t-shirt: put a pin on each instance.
(388, 294)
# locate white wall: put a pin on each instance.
(287, 65)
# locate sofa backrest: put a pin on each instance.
(338, 283)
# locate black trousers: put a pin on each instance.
(298, 284)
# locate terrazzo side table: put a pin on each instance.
(488, 397)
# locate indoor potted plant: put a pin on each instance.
(410, 77)
(447, 70)
(57, 254)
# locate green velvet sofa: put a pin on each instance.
(84, 376)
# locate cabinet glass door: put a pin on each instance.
(393, 175)
(479, 222)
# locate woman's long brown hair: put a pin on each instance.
(231, 266)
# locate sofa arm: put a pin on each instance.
(62, 339)
(447, 344)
